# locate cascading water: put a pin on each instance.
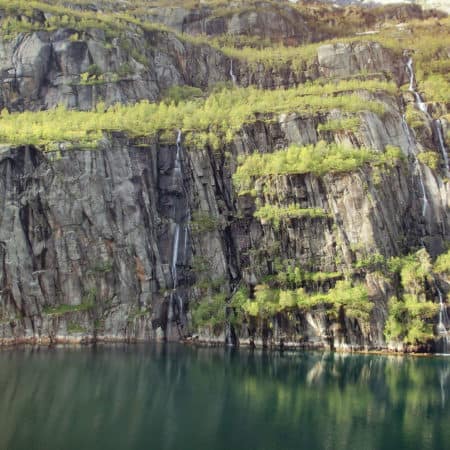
(175, 251)
(181, 216)
(176, 238)
(409, 69)
(443, 321)
(442, 148)
(412, 151)
(443, 316)
(232, 75)
(437, 126)
(423, 107)
(422, 186)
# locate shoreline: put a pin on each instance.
(85, 341)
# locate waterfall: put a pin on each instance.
(177, 167)
(443, 320)
(442, 148)
(176, 236)
(423, 107)
(408, 133)
(412, 151)
(409, 69)
(412, 82)
(232, 75)
(175, 251)
(422, 186)
(186, 237)
(180, 241)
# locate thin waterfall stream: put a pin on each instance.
(232, 75)
(412, 151)
(443, 321)
(181, 215)
(443, 315)
(442, 147)
(421, 105)
(176, 238)
(436, 124)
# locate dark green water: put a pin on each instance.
(173, 397)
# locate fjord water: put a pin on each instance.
(174, 397)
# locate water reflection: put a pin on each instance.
(171, 397)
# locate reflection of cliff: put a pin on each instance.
(159, 395)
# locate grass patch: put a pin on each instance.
(275, 214)
(63, 309)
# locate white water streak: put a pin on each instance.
(175, 251)
(232, 75)
(442, 147)
(423, 107)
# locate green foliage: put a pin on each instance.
(124, 70)
(58, 310)
(430, 159)
(437, 87)
(74, 328)
(267, 302)
(203, 222)
(101, 267)
(290, 276)
(372, 262)
(337, 125)
(210, 313)
(318, 159)
(92, 76)
(415, 270)
(275, 214)
(408, 319)
(442, 263)
(414, 118)
(428, 38)
(211, 121)
(74, 37)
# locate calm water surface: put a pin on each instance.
(173, 397)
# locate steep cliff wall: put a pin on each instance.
(149, 237)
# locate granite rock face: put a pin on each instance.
(117, 243)
(44, 69)
(95, 231)
(41, 70)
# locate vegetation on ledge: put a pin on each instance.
(275, 214)
(63, 309)
(410, 316)
(267, 302)
(318, 159)
(209, 121)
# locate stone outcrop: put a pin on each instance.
(94, 230)
(117, 242)
(42, 70)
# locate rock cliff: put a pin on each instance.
(146, 237)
